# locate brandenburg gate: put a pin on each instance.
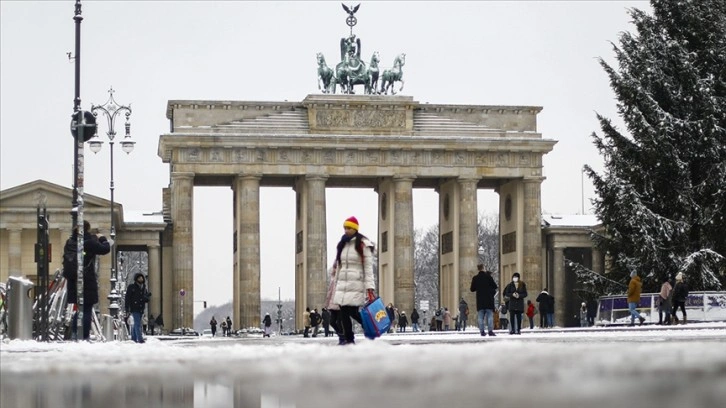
(391, 144)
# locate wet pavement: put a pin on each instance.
(645, 367)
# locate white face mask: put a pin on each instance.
(515, 279)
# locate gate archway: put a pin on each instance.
(390, 144)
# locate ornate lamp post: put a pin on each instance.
(110, 110)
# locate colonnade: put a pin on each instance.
(395, 242)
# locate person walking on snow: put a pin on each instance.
(680, 295)
(634, 288)
(355, 281)
(485, 287)
(514, 293)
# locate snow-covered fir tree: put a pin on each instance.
(662, 194)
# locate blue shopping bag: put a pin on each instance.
(375, 319)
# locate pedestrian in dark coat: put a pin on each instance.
(463, 315)
(136, 298)
(213, 326)
(391, 312)
(414, 320)
(514, 293)
(229, 327)
(267, 321)
(680, 295)
(325, 315)
(546, 308)
(92, 245)
(485, 287)
(403, 321)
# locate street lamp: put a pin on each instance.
(110, 109)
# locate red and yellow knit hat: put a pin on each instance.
(351, 222)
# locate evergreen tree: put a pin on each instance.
(662, 195)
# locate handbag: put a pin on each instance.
(374, 319)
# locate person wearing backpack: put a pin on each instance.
(355, 282)
(92, 246)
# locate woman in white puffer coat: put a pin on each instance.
(353, 270)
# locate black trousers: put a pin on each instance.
(515, 318)
(345, 324)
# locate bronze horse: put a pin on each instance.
(373, 73)
(325, 75)
(392, 75)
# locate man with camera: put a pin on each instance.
(136, 298)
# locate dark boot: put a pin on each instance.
(491, 333)
(684, 319)
(641, 321)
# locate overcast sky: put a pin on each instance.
(484, 53)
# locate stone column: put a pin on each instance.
(154, 280)
(15, 242)
(468, 243)
(597, 261)
(166, 292)
(316, 242)
(403, 238)
(182, 192)
(247, 216)
(532, 274)
(559, 290)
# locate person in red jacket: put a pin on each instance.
(531, 311)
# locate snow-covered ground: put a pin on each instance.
(650, 366)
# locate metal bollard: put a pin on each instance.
(20, 308)
(107, 325)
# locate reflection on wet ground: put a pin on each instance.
(650, 370)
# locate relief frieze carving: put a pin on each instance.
(338, 118)
(260, 155)
(194, 155)
(241, 156)
(502, 159)
(384, 157)
(437, 157)
(216, 156)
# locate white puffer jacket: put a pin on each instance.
(354, 276)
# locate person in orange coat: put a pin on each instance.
(531, 311)
(634, 288)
